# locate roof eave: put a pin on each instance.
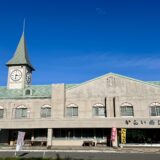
(12, 64)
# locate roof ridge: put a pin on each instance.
(114, 74)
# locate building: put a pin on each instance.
(92, 112)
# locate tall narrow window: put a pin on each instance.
(99, 110)
(155, 109)
(127, 109)
(72, 110)
(114, 106)
(45, 111)
(21, 112)
(1, 112)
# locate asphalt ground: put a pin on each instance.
(81, 155)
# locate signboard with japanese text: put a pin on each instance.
(123, 136)
(141, 122)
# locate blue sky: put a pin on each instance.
(72, 41)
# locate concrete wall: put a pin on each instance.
(137, 93)
(112, 85)
(108, 87)
(58, 100)
(33, 105)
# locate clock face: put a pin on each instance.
(16, 75)
(28, 77)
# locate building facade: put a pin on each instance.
(77, 114)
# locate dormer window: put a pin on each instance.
(28, 92)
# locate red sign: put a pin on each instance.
(113, 134)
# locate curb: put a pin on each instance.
(81, 151)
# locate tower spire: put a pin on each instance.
(24, 25)
(21, 55)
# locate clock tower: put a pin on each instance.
(19, 67)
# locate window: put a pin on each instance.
(72, 110)
(1, 112)
(27, 92)
(83, 134)
(155, 109)
(99, 110)
(46, 111)
(21, 112)
(127, 109)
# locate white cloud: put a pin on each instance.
(100, 11)
(121, 61)
(148, 62)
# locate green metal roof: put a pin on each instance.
(45, 91)
(37, 91)
(155, 82)
(71, 85)
(21, 55)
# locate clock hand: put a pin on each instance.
(16, 76)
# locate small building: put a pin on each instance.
(89, 113)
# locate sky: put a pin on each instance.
(72, 41)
